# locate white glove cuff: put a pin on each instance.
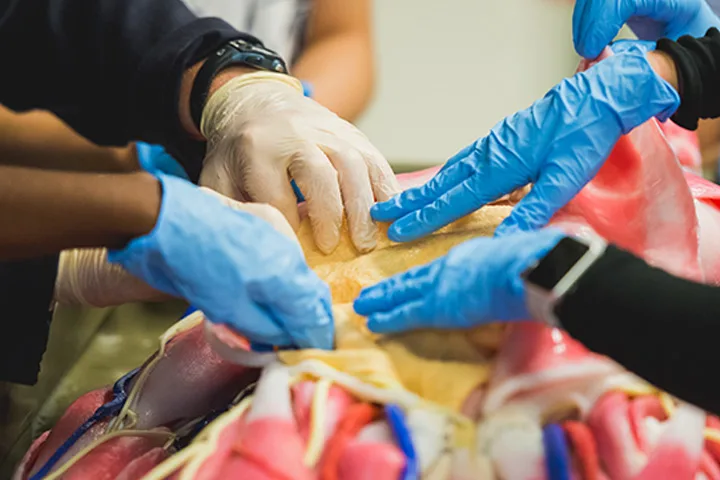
(86, 278)
(216, 106)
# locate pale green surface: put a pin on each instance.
(88, 348)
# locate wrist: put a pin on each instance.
(236, 58)
(142, 195)
(664, 66)
(188, 81)
(556, 272)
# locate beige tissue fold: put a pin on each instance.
(444, 367)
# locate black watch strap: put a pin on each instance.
(235, 52)
(556, 274)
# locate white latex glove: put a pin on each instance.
(262, 132)
(86, 278)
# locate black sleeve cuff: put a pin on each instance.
(26, 294)
(698, 66)
(661, 327)
(157, 87)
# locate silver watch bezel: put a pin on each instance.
(541, 303)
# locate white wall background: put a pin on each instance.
(448, 70)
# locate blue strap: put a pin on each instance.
(110, 408)
(398, 425)
(557, 456)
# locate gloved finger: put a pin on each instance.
(310, 324)
(622, 46)
(261, 210)
(595, 23)
(395, 290)
(154, 158)
(318, 180)
(384, 182)
(416, 198)
(259, 326)
(408, 316)
(553, 190)
(216, 176)
(265, 336)
(458, 157)
(301, 305)
(478, 190)
(266, 183)
(357, 194)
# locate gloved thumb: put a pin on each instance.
(549, 194)
(261, 210)
(154, 159)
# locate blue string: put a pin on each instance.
(396, 420)
(112, 407)
(557, 456)
(298, 194)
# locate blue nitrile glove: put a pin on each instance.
(625, 46)
(596, 22)
(308, 89)
(475, 283)
(558, 144)
(154, 159)
(233, 266)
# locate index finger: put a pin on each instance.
(474, 192)
(416, 198)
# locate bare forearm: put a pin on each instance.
(340, 69)
(43, 212)
(338, 59)
(664, 66)
(39, 139)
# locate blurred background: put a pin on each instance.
(448, 71)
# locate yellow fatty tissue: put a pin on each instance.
(443, 367)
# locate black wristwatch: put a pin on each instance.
(557, 273)
(234, 53)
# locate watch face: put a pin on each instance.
(553, 267)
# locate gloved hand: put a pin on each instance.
(476, 282)
(596, 22)
(262, 132)
(85, 277)
(625, 45)
(558, 144)
(154, 159)
(233, 266)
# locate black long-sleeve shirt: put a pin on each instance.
(664, 328)
(661, 327)
(112, 70)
